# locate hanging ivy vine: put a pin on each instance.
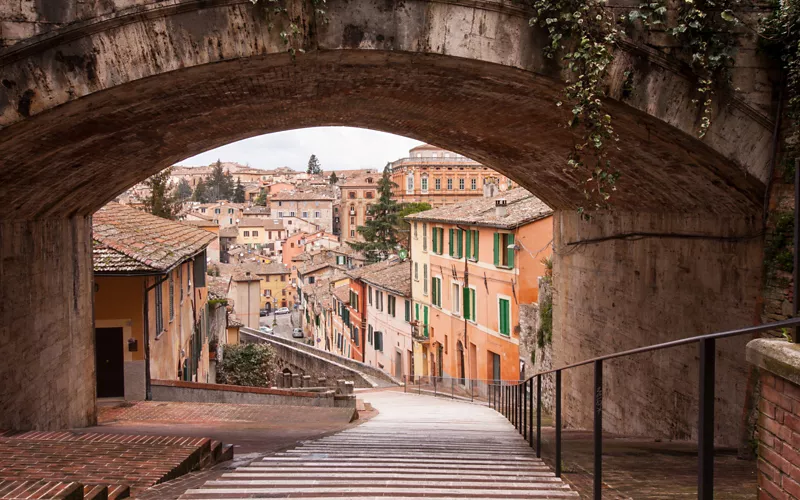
(278, 15)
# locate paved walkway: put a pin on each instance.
(417, 446)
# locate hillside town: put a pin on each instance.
(284, 252)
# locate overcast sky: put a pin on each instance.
(336, 148)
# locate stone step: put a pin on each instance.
(54, 490)
(390, 492)
(323, 481)
(414, 472)
(95, 492)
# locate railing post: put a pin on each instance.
(521, 408)
(452, 388)
(524, 409)
(539, 416)
(557, 423)
(405, 383)
(705, 426)
(530, 415)
(598, 429)
(434, 386)
(419, 385)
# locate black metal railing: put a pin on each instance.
(515, 402)
(465, 389)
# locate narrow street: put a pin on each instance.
(416, 446)
(281, 324)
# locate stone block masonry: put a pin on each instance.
(778, 427)
(46, 332)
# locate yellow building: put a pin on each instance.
(358, 194)
(152, 319)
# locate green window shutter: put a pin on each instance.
(408, 310)
(467, 303)
(474, 306)
(460, 240)
(510, 251)
(441, 241)
(505, 317)
(475, 246)
(451, 247)
(469, 243)
(416, 311)
(496, 249)
(433, 239)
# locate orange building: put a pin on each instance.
(473, 264)
(440, 177)
(152, 317)
(358, 193)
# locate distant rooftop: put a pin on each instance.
(129, 240)
(395, 277)
(522, 208)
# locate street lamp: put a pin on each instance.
(274, 312)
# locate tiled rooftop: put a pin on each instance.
(372, 268)
(522, 208)
(395, 277)
(302, 195)
(129, 240)
(269, 224)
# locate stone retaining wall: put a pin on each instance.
(196, 392)
(778, 428)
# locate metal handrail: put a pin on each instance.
(515, 402)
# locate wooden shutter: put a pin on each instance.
(474, 305)
(460, 241)
(496, 249)
(467, 303)
(469, 243)
(510, 250)
(475, 244)
(451, 247)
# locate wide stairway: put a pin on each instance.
(417, 446)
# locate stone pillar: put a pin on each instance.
(306, 382)
(611, 294)
(778, 426)
(295, 380)
(46, 324)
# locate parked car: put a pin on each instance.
(264, 329)
(282, 310)
(263, 312)
(297, 333)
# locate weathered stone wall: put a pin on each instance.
(195, 392)
(537, 359)
(778, 428)
(616, 294)
(46, 331)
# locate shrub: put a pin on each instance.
(247, 364)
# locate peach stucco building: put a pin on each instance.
(467, 285)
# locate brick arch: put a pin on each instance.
(161, 81)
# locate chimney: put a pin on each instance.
(501, 207)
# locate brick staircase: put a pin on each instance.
(97, 466)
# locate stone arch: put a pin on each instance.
(174, 78)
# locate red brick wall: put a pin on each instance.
(778, 439)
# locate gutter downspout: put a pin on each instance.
(466, 323)
(148, 391)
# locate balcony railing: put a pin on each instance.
(430, 160)
(516, 402)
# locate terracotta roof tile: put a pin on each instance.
(395, 277)
(156, 244)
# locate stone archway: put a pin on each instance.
(103, 98)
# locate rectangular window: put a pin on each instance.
(425, 279)
(415, 230)
(317, 215)
(159, 312)
(436, 291)
(280, 214)
(424, 236)
(473, 244)
(449, 183)
(455, 291)
(504, 313)
(369, 334)
(456, 243)
(473, 184)
(437, 184)
(408, 310)
(247, 234)
(416, 271)
(291, 214)
(255, 233)
(379, 300)
(424, 184)
(200, 270)
(369, 294)
(305, 215)
(469, 304)
(379, 341)
(392, 306)
(504, 250)
(461, 184)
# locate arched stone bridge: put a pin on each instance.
(96, 96)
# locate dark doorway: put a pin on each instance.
(398, 364)
(495, 366)
(109, 361)
(461, 362)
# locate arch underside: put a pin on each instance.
(75, 157)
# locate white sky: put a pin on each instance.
(336, 148)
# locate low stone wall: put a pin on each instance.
(378, 376)
(196, 392)
(778, 427)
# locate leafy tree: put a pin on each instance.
(162, 200)
(201, 192)
(403, 227)
(184, 190)
(380, 232)
(238, 193)
(261, 201)
(219, 184)
(314, 167)
(333, 179)
(247, 364)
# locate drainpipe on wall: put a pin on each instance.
(466, 324)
